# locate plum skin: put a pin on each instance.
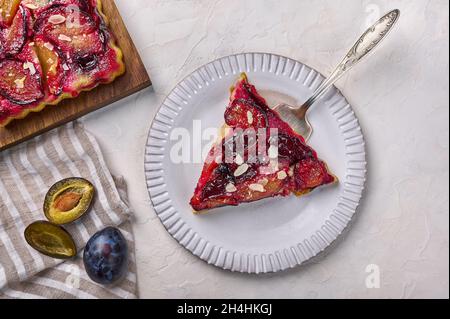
(105, 256)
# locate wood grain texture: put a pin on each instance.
(135, 79)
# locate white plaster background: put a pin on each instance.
(400, 95)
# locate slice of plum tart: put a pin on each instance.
(51, 50)
(257, 156)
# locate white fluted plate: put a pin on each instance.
(272, 234)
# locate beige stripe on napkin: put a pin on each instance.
(26, 173)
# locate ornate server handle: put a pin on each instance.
(365, 44)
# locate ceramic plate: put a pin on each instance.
(273, 234)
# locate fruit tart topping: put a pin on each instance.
(29, 66)
(12, 38)
(230, 188)
(64, 37)
(282, 175)
(56, 19)
(8, 9)
(257, 188)
(51, 68)
(249, 117)
(18, 85)
(285, 166)
(241, 170)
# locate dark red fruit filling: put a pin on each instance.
(13, 38)
(19, 85)
(296, 168)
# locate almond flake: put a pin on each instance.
(49, 46)
(31, 6)
(273, 151)
(56, 19)
(66, 68)
(64, 37)
(238, 160)
(20, 82)
(257, 188)
(230, 188)
(31, 44)
(249, 117)
(241, 170)
(281, 175)
(291, 171)
(263, 181)
(29, 66)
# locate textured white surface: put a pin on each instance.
(400, 95)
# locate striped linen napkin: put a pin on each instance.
(27, 171)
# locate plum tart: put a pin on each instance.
(51, 50)
(257, 156)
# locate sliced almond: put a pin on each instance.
(249, 117)
(291, 171)
(66, 68)
(56, 19)
(281, 175)
(230, 188)
(257, 188)
(241, 170)
(31, 6)
(49, 46)
(29, 66)
(263, 181)
(64, 37)
(20, 83)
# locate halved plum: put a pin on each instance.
(8, 9)
(20, 83)
(13, 38)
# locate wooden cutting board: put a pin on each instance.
(134, 79)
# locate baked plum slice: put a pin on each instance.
(13, 37)
(73, 32)
(40, 6)
(20, 82)
(53, 67)
(8, 9)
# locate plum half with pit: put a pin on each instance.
(68, 200)
(106, 256)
